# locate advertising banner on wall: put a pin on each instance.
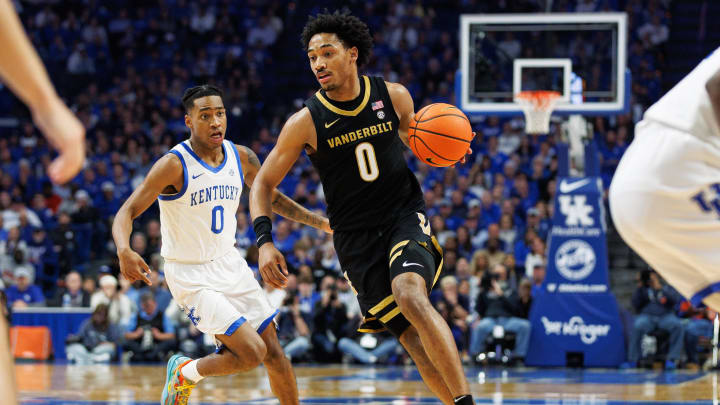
(575, 314)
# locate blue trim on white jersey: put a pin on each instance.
(235, 325)
(266, 322)
(237, 157)
(698, 297)
(171, 197)
(207, 166)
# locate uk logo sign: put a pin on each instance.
(576, 210)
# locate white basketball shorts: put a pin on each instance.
(665, 203)
(220, 295)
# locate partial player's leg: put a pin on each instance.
(7, 369)
(279, 369)
(415, 261)
(242, 350)
(432, 377)
(223, 299)
(364, 255)
(411, 296)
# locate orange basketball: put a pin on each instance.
(440, 135)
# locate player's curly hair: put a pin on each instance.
(349, 29)
(192, 93)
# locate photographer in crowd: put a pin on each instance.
(499, 305)
(330, 320)
(96, 340)
(294, 327)
(655, 304)
(151, 334)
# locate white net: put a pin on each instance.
(537, 107)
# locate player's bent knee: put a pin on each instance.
(274, 356)
(250, 355)
(412, 303)
(254, 356)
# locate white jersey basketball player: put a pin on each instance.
(665, 195)
(199, 183)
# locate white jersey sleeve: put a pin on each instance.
(198, 223)
(686, 107)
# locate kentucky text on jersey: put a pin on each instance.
(360, 134)
(214, 193)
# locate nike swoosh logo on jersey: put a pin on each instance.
(406, 264)
(331, 124)
(196, 176)
(566, 187)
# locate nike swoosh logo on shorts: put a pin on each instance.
(331, 124)
(196, 176)
(566, 187)
(406, 264)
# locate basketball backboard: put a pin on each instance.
(580, 55)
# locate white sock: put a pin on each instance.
(190, 372)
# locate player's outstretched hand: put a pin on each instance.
(469, 152)
(272, 266)
(133, 267)
(66, 134)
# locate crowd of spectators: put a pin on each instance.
(122, 66)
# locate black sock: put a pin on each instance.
(464, 400)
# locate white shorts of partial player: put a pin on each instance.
(665, 203)
(220, 295)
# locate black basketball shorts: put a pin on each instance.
(372, 258)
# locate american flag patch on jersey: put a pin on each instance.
(377, 105)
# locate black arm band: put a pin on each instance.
(263, 230)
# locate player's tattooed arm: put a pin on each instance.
(281, 204)
(287, 207)
(713, 88)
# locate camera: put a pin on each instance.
(486, 281)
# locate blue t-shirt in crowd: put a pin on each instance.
(32, 295)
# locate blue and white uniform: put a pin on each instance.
(206, 274)
(665, 195)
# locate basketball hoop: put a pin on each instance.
(537, 106)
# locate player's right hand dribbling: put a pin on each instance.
(133, 267)
(272, 266)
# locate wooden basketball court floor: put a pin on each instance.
(60, 384)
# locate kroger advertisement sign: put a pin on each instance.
(576, 327)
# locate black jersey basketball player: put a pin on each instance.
(353, 130)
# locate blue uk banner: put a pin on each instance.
(575, 312)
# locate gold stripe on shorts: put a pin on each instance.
(437, 273)
(382, 304)
(390, 315)
(397, 246)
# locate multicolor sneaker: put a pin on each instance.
(177, 389)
